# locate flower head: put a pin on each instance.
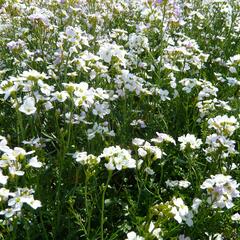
(28, 106)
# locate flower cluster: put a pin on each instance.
(224, 125)
(14, 163)
(117, 158)
(119, 109)
(221, 190)
(181, 212)
(83, 158)
(145, 148)
(189, 140)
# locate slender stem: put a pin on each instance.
(19, 123)
(70, 126)
(60, 161)
(79, 220)
(43, 227)
(88, 213)
(103, 202)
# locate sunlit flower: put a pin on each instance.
(181, 212)
(221, 190)
(33, 162)
(28, 106)
(223, 124)
(235, 217)
(117, 158)
(163, 137)
(189, 140)
(133, 236)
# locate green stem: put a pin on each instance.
(60, 161)
(103, 203)
(20, 123)
(43, 227)
(88, 213)
(70, 126)
(79, 220)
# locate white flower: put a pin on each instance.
(217, 142)
(4, 194)
(28, 106)
(117, 158)
(83, 158)
(35, 204)
(163, 137)
(142, 152)
(221, 190)
(39, 16)
(189, 84)
(3, 178)
(154, 150)
(108, 50)
(33, 75)
(16, 45)
(101, 109)
(216, 236)
(101, 129)
(181, 212)
(138, 122)
(21, 196)
(48, 105)
(183, 209)
(8, 212)
(196, 203)
(223, 124)
(156, 232)
(236, 217)
(176, 183)
(189, 140)
(15, 169)
(149, 171)
(80, 157)
(138, 141)
(164, 94)
(60, 96)
(3, 144)
(138, 43)
(45, 88)
(36, 142)
(207, 90)
(33, 162)
(182, 237)
(171, 184)
(184, 184)
(133, 236)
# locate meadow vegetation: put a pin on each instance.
(119, 119)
